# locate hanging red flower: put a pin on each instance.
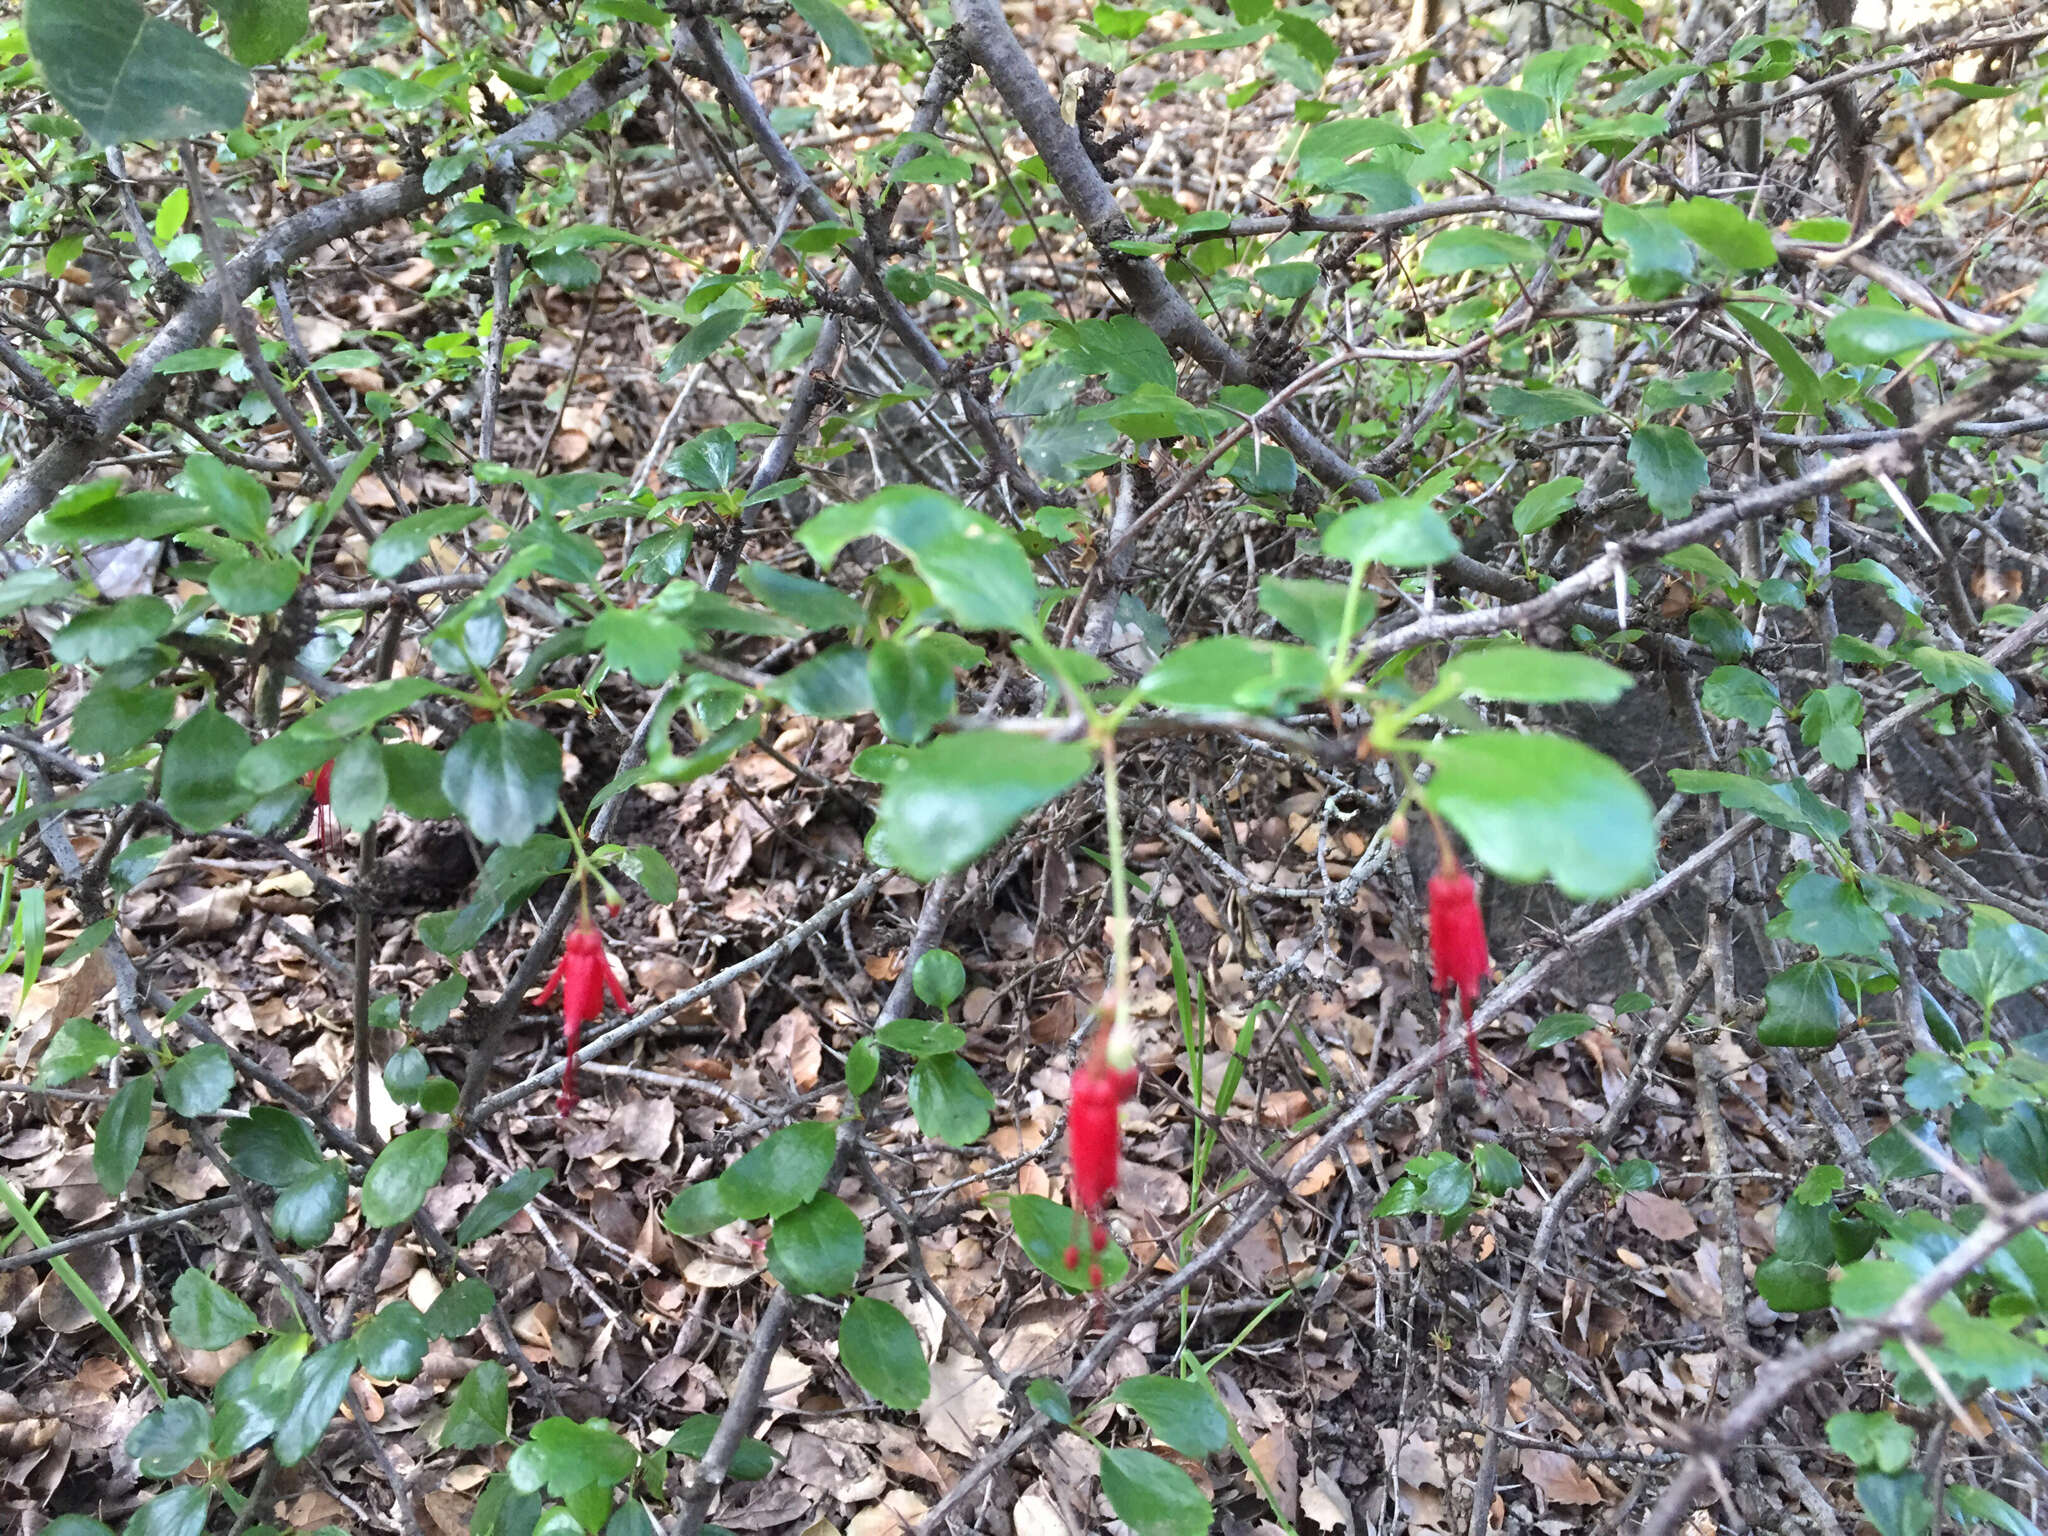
(321, 782)
(1457, 948)
(584, 976)
(1095, 1137)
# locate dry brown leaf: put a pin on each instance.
(1273, 1453)
(1659, 1215)
(1558, 1478)
(1323, 1502)
(965, 1407)
(1036, 1515)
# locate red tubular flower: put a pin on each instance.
(320, 781)
(1457, 947)
(584, 976)
(1094, 1143)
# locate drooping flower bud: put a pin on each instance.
(584, 976)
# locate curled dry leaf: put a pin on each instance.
(1659, 1215)
(1558, 1478)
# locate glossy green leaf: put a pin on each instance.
(1180, 1413)
(199, 785)
(199, 1082)
(393, 1343)
(1153, 1496)
(950, 1101)
(948, 802)
(502, 777)
(782, 1173)
(1560, 1027)
(1533, 805)
(307, 1208)
(316, 1392)
(271, 1146)
(502, 1204)
(479, 1409)
(880, 1350)
(817, 1249)
(205, 1314)
(938, 978)
(1802, 1007)
(399, 1179)
(1044, 1230)
(117, 1140)
(124, 74)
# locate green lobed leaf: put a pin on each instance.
(751, 1461)
(1868, 335)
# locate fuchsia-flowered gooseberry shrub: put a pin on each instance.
(583, 976)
